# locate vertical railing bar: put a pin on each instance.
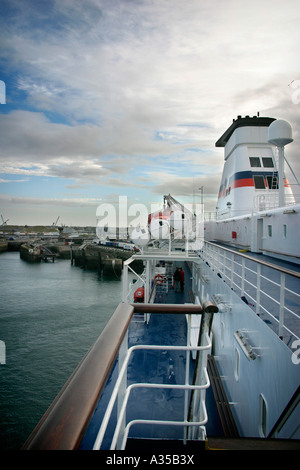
(232, 270)
(243, 277)
(125, 282)
(258, 288)
(187, 373)
(281, 307)
(109, 408)
(123, 351)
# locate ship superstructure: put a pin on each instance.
(257, 209)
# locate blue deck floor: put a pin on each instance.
(157, 367)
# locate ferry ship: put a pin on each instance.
(210, 360)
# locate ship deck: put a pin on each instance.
(159, 366)
(153, 382)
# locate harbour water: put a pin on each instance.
(50, 315)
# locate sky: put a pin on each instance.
(102, 99)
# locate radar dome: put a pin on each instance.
(280, 133)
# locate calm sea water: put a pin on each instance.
(50, 315)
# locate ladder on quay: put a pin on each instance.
(46, 253)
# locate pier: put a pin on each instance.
(37, 244)
(105, 259)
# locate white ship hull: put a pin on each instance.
(273, 232)
(258, 389)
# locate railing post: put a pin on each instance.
(232, 270)
(148, 280)
(243, 277)
(201, 360)
(281, 305)
(125, 281)
(123, 386)
(187, 373)
(258, 282)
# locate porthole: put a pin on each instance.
(284, 231)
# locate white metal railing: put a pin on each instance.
(270, 201)
(273, 292)
(136, 282)
(121, 390)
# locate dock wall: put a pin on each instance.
(105, 259)
(3, 246)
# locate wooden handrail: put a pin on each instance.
(65, 422)
(167, 308)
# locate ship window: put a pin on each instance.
(259, 182)
(272, 182)
(268, 162)
(284, 230)
(270, 230)
(263, 412)
(237, 364)
(255, 161)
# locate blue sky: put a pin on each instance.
(109, 98)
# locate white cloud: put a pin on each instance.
(123, 88)
(51, 201)
(12, 181)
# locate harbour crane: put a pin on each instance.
(4, 222)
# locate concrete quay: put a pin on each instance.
(3, 246)
(106, 260)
